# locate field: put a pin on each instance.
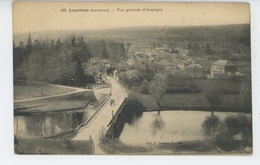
(198, 101)
(25, 91)
(58, 102)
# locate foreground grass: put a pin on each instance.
(195, 147)
(179, 148)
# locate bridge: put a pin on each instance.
(92, 129)
(99, 123)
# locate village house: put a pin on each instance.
(195, 71)
(180, 66)
(222, 68)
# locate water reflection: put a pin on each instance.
(157, 123)
(175, 126)
(44, 125)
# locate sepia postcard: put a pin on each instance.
(121, 78)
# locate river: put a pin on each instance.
(44, 125)
(178, 126)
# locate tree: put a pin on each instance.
(178, 82)
(234, 133)
(189, 46)
(157, 88)
(58, 44)
(79, 54)
(156, 67)
(131, 78)
(19, 55)
(210, 126)
(132, 110)
(73, 41)
(127, 47)
(64, 54)
(214, 98)
(196, 47)
(144, 87)
(52, 44)
(42, 66)
(79, 74)
(104, 53)
(208, 51)
(246, 91)
(121, 52)
(115, 50)
(37, 62)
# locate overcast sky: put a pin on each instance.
(41, 16)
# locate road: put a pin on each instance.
(98, 125)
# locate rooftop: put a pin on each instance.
(195, 66)
(223, 63)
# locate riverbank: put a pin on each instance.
(190, 101)
(196, 147)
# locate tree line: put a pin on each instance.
(61, 62)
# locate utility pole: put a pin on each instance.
(110, 90)
(41, 84)
(112, 131)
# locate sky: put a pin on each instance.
(42, 16)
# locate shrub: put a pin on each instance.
(144, 89)
(210, 126)
(234, 133)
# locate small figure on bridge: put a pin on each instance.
(112, 102)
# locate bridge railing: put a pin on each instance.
(86, 123)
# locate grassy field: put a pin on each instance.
(231, 102)
(70, 101)
(59, 103)
(25, 91)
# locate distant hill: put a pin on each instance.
(239, 33)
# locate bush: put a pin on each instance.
(229, 92)
(132, 110)
(210, 126)
(235, 78)
(184, 89)
(131, 78)
(144, 89)
(234, 133)
(180, 83)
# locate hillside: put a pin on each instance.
(230, 33)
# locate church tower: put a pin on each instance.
(29, 43)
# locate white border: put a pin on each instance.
(6, 110)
